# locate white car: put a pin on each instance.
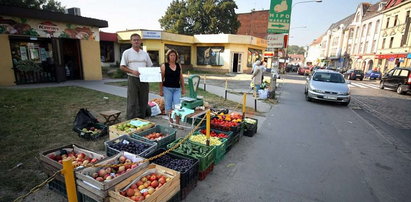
(327, 85)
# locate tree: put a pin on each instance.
(50, 5)
(200, 17)
(293, 49)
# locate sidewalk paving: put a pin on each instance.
(100, 85)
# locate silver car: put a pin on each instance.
(329, 86)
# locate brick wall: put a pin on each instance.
(254, 23)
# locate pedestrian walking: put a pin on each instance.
(172, 85)
(137, 92)
(258, 77)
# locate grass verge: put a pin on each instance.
(34, 120)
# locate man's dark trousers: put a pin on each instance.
(137, 98)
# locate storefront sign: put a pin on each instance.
(409, 55)
(151, 35)
(275, 41)
(48, 27)
(268, 54)
(389, 56)
(279, 16)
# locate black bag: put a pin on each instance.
(84, 118)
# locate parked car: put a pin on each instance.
(329, 86)
(354, 74)
(303, 71)
(372, 74)
(397, 78)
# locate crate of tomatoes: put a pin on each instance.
(162, 135)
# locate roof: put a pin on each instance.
(372, 10)
(52, 16)
(393, 3)
(317, 40)
(346, 21)
(105, 36)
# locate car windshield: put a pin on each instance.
(375, 72)
(358, 71)
(328, 77)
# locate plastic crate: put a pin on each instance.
(250, 129)
(219, 150)
(187, 178)
(176, 197)
(60, 188)
(110, 151)
(170, 135)
(204, 161)
(231, 135)
(203, 174)
(90, 135)
(186, 190)
(234, 129)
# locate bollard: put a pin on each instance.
(244, 103)
(208, 128)
(205, 85)
(68, 172)
(225, 92)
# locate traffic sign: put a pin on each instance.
(279, 16)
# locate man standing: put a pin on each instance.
(137, 92)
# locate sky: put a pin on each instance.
(308, 20)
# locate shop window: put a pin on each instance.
(253, 55)
(210, 55)
(184, 53)
(107, 51)
(154, 58)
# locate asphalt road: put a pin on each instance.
(313, 151)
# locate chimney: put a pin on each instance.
(73, 11)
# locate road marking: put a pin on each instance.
(358, 85)
(370, 85)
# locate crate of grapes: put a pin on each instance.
(129, 144)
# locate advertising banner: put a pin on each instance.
(279, 16)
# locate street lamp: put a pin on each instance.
(302, 27)
(318, 1)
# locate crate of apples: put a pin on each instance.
(154, 136)
(79, 159)
(145, 187)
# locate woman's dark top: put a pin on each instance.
(172, 78)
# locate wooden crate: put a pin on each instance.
(166, 192)
(115, 133)
(85, 180)
(50, 166)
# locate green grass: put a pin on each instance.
(35, 120)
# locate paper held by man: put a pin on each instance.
(150, 74)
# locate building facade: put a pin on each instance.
(41, 46)
(211, 52)
(394, 40)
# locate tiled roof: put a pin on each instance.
(346, 21)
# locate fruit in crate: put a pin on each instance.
(141, 190)
(79, 159)
(91, 130)
(131, 147)
(128, 127)
(250, 121)
(109, 173)
(154, 136)
(223, 123)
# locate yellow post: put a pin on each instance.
(68, 172)
(244, 103)
(226, 84)
(208, 127)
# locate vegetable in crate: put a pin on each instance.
(187, 148)
(181, 165)
(132, 147)
(223, 123)
(155, 136)
(214, 134)
(214, 141)
(250, 121)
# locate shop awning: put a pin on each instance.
(388, 56)
(105, 36)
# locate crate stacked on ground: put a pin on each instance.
(204, 154)
(187, 166)
(229, 135)
(51, 160)
(218, 143)
(92, 131)
(131, 145)
(228, 122)
(97, 181)
(154, 183)
(250, 126)
(162, 135)
(129, 127)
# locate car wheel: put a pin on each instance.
(361, 79)
(399, 90)
(382, 85)
(307, 98)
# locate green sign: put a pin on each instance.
(280, 16)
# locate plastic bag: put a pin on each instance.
(83, 119)
(263, 94)
(155, 110)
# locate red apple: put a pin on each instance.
(102, 172)
(154, 183)
(100, 179)
(153, 177)
(130, 192)
(134, 186)
(122, 159)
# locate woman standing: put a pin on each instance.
(173, 82)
